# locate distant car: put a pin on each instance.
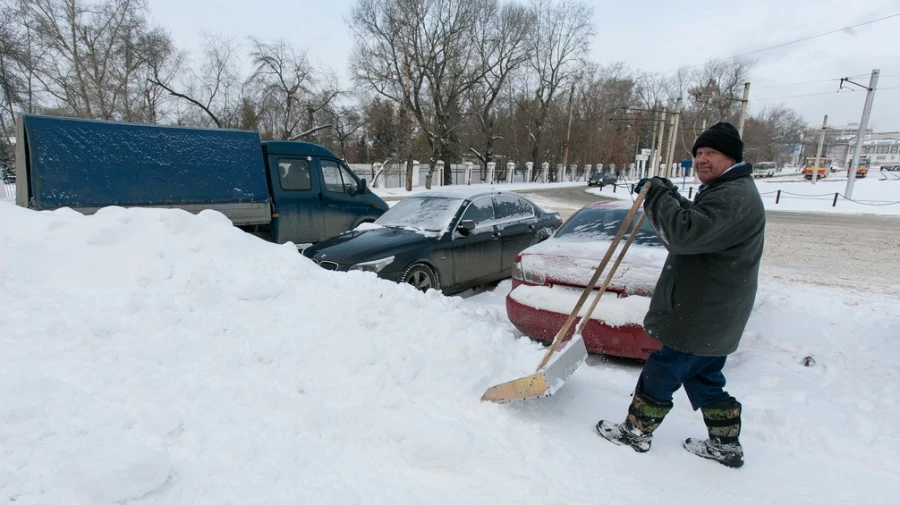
(602, 179)
(448, 240)
(548, 279)
(764, 169)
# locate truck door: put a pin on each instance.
(298, 206)
(342, 199)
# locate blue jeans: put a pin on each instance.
(666, 370)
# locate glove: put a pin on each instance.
(662, 181)
(639, 185)
(656, 184)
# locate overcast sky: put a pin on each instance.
(651, 35)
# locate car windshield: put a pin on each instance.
(603, 223)
(766, 166)
(421, 213)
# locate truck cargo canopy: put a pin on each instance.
(85, 163)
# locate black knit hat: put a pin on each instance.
(722, 137)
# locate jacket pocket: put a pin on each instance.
(667, 295)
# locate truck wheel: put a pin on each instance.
(421, 277)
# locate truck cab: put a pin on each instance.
(315, 195)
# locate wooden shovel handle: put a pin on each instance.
(593, 282)
(612, 271)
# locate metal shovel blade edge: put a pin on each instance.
(546, 381)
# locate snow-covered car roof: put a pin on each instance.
(463, 193)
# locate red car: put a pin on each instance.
(549, 277)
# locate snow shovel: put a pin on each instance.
(555, 368)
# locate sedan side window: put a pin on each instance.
(511, 208)
(481, 211)
(338, 178)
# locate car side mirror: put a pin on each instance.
(465, 226)
(362, 187)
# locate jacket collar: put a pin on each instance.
(736, 171)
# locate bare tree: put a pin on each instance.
(289, 88)
(558, 47)
(215, 89)
(346, 121)
(419, 54)
(90, 56)
(12, 85)
(771, 134)
(503, 47)
(600, 129)
(717, 87)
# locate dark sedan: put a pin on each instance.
(449, 240)
(603, 179)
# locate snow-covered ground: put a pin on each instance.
(157, 357)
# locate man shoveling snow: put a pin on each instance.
(703, 297)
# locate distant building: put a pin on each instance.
(881, 148)
(882, 151)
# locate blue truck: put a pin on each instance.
(282, 191)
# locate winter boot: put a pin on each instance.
(723, 421)
(644, 415)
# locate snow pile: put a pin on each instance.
(156, 357)
(152, 352)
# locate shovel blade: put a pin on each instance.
(546, 381)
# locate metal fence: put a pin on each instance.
(394, 175)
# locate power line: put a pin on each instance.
(793, 41)
(796, 96)
(816, 36)
(819, 81)
(807, 82)
(814, 94)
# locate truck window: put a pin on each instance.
(338, 178)
(294, 175)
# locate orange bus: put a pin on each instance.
(821, 164)
(862, 169)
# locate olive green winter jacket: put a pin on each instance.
(706, 290)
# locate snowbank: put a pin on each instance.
(156, 357)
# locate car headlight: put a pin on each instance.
(373, 266)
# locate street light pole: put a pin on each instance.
(861, 134)
(744, 101)
(815, 172)
(670, 153)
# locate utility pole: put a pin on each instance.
(662, 136)
(815, 172)
(861, 134)
(743, 109)
(672, 137)
(568, 131)
(664, 159)
(648, 167)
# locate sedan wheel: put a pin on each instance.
(421, 277)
